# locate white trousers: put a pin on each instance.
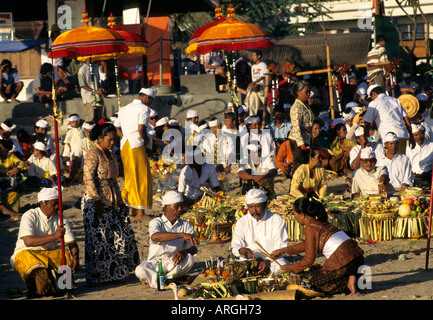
(147, 270)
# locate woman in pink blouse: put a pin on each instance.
(110, 248)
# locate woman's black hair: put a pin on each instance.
(311, 207)
(7, 144)
(101, 130)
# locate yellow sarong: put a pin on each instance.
(11, 200)
(28, 260)
(137, 190)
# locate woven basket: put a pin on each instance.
(412, 192)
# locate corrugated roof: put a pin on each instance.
(310, 51)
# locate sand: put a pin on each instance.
(392, 278)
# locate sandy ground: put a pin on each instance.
(392, 278)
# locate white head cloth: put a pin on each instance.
(350, 115)
(367, 153)
(371, 88)
(171, 197)
(88, 126)
(6, 128)
(74, 118)
(151, 92)
(214, 123)
(173, 122)
(359, 131)
(42, 123)
(47, 194)
(255, 196)
(153, 113)
(40, 146)
(162, 121)
(390, 136)
(191, 114)
(417, 127)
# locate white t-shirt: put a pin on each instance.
(399, 169)
(421, 157)
(35, 223)
(258, 71)
(388, 114)
(129, 118)
(365, 183)
(190, 182)
(38, 167)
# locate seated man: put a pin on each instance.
(398, 165)
(172, 240)
(421, 157)
(263, 227)
(355, 152)
(10, 86)
(369, 179)
(196, 174)
(6, 128)
(37, 252)
(258, 173)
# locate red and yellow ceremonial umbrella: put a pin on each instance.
(233, 35)
(136, 46)
(191, 49)
(82, 41)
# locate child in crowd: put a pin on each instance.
(42, 127)
(72, 149)
(42, 172)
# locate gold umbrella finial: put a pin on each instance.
(231, 12)
(111, 22)
(218, 11)
(85, 18)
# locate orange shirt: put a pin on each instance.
(284, 155)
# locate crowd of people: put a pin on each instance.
(378, 142)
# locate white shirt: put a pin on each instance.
(377, 148)
(421, 157)
(399, 169)
(38, 167)
(190, 182)
(264, 167)
(270, 231)
(258, 71)
(388, 113)
(167, 248)
(35, 223)
(228, 145)
(129, 118)
(85, 79)
(365, 183)
(73, 138)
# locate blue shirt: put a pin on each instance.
(281, 132)
(11, 77)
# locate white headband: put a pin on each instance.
(74, 118)
(162, 121)
(359, 131)
(367, 153)
(390, 136)
(417, 127)
(214, 123)
(255, 196)
(40, 146)
(191, 114)
(88, 126)
(42, 124)
(171, 197)
(6, 128)
(149, 92)
(350, 115)
(47, 194)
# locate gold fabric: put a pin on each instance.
(137, 190)
(28, 260)
(302, 183)
(11, 200)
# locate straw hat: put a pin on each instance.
(410, 104)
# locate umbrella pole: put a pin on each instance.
(117, 83)
(59, 176)
(330, 85)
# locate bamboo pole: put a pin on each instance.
(358, 66)
(330, 82)
(265, 105)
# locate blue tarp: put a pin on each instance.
(19, 45)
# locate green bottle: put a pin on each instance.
(161, 276)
